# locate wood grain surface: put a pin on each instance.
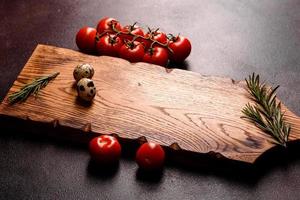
(176, 108)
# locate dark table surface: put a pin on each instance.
(230, 38)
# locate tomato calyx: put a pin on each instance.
(131, 44)
(133, 51)
(113, 39)
(157, 35)
(100, 35)
(109, 45)
(132, 27)
(152, 32)
(151, 50)
(181, 47)
(172, 37)
(105, 25)
(156, 55)
(112, 23)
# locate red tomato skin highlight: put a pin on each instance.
(132, 54)
(159, 56)
(150, 156)
(105, 149)
(86, 39)
(156, 36)
(134, 30)
(107, 47)
(181, 48)
(105, 24)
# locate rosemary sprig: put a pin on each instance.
(266, 113)
(31, 88)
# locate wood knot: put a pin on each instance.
(55, 123)
(169, 70)
(87, 128)
(216, 155)
(115, 135)
(142, 140)
(175, 146)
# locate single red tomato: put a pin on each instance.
(133, 29)
(150, 156)
(86, 39)
(181, 47)
(132, 51)
(157, 36)
(146, 42)
(109, 45)
(106, 24)
(105, 149)
(156, 55)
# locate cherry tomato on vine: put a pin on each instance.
(132, 51)
(156, 55)
(157, 36)
(109, 45)
(105, 24)
(150, 156)
(181, 47)
(134, 29)
(105, 149)
(86, 39)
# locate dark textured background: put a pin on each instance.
(229, 38)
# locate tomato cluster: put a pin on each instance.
(106, 150)
(132, 43)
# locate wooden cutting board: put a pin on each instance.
(176, 108)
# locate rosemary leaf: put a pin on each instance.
(31, 88)
(266, 113)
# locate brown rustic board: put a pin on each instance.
(175, 108)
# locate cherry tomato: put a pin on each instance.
(158, 36)
(105, 149)
(155, 35)
(109, 45)
(181, 47)
(106, 24)
(156, 55)
(150, 156)
(86, 39)
(132, 51)
(134, 29)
